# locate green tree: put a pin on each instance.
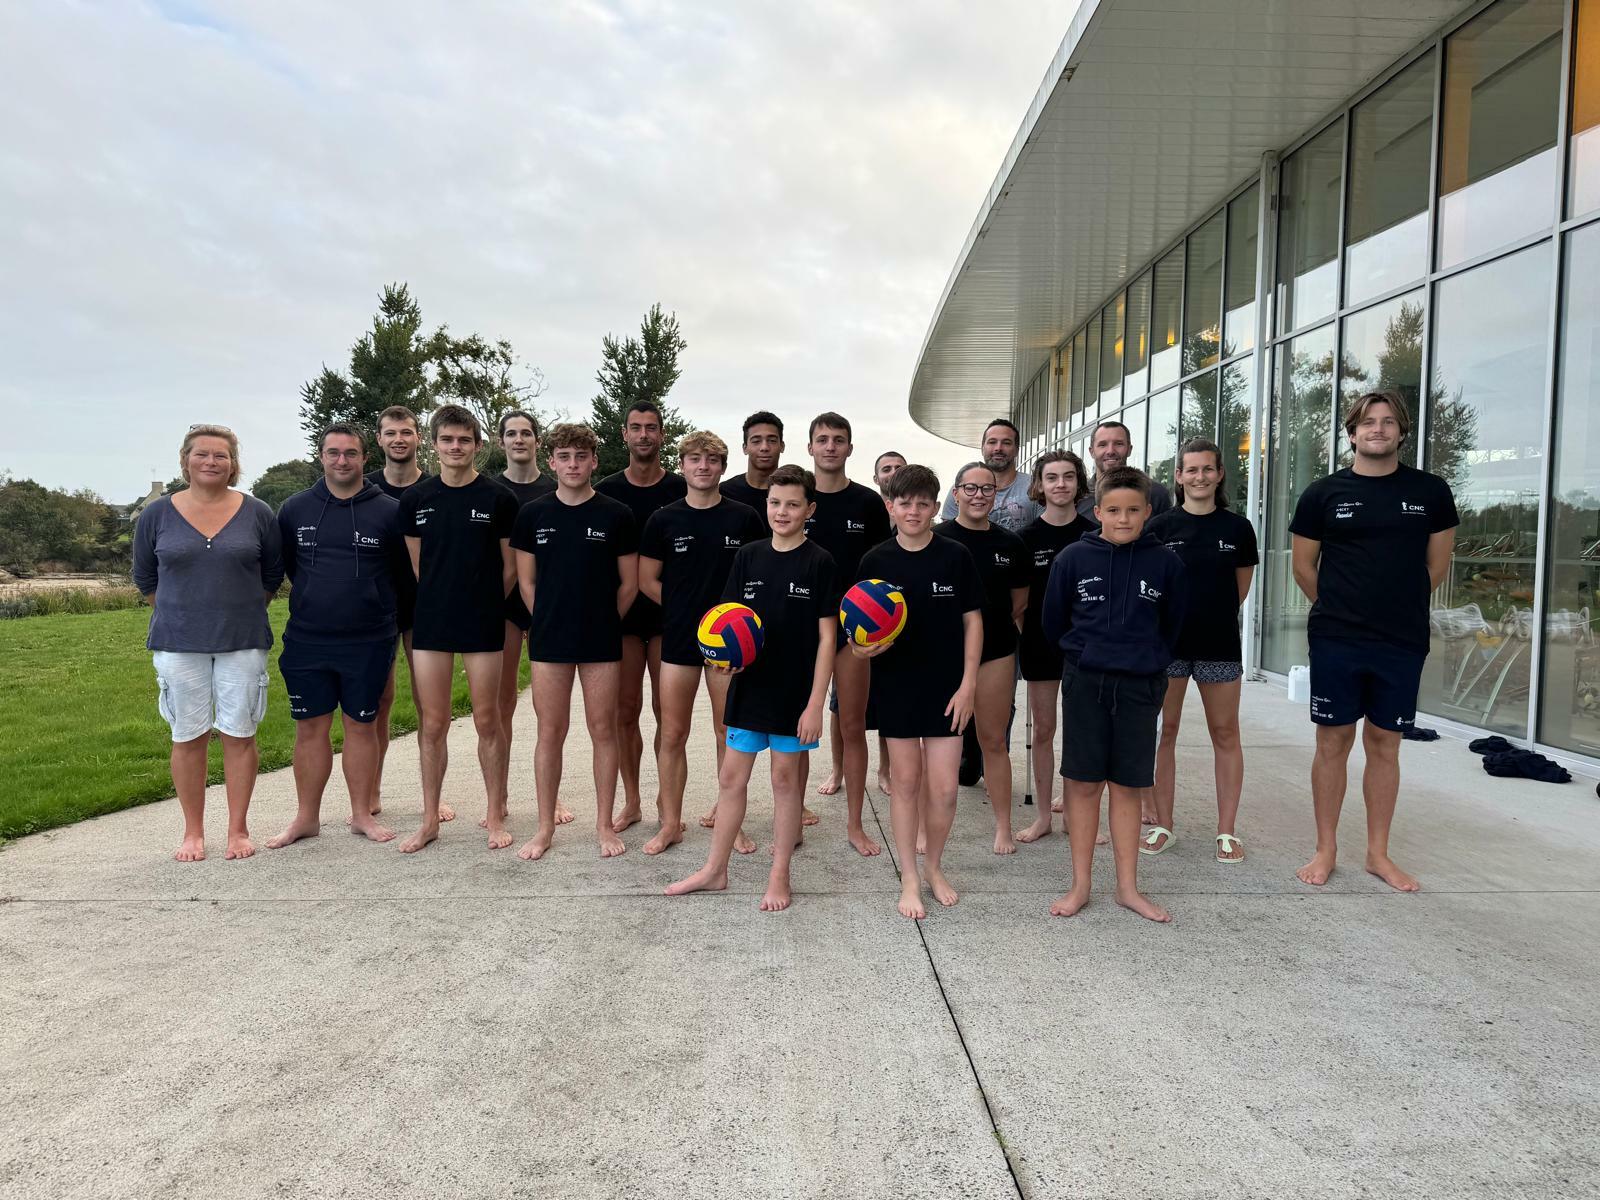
(388, 365)
(282, 480)
(486, 378)
(46, 525)
(635, 369)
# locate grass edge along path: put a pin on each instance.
(79, 732)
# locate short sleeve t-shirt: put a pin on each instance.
(644, 618)
(526, 494)
(739, 488)
(460, 594)
(696, 548)
(576, 548)
(1002, 562)
(847, 524)
(405, 583)
(1213, 547)
(1372, 581)
(1043, 541)
(790, 590)
(913, 680)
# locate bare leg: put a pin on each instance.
(835, 778)
(1082, 801)
(1167, 756)
(852, 677)
(600, 685)
(360, 762)
(905, 761)
(483, 684)
(1042, 696)
(1327, 798)
(1125, 848)
(785, 829)
(1221, 701)
(506, 705)
(313, 764)
(883, 765)
(189, 779)
(240, 762)
(430, 686)
(997, 687)
(552, 706)
(1380, 787)
(385, 705)
(629, 739)
(941, 768)
(678, 687)
(733, 793)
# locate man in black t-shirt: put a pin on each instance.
(776, 702)
(644, 485)
(578, 570)
(763, 447)
(457, 527)
(1371, 543)
(849, 520)
(684, 556)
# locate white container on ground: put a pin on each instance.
(1300, 684)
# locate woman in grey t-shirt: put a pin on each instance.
(209, 559)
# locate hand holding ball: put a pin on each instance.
(730, 636)
(873, 614)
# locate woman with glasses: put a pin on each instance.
(208, 559)
(1002, 563)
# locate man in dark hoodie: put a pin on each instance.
(1114, 604)
(342, 549)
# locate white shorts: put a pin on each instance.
(198, 691)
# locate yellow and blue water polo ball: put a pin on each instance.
(873, 613)
(731, 635)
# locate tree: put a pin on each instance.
(488, 379)
(43, 525)
(282, 480)
(635, 369)
(388, 365)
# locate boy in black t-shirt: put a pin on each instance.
(684, 556)
(925, 682)
(775, 703)
(763, 447)
(578, 569)
(457, 527)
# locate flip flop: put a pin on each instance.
(1226, 843)
(1152, 835)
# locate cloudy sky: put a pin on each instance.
(201, 201)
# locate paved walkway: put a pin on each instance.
(335, 1019)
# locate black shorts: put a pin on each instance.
(349, 676)
(642, 620)
(1039, 660)
(1109, 726)
(1375, 680)
(681, 646)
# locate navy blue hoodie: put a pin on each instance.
(341, 556)
(1116, 608)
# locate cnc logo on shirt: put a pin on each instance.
(1345, 509)
(729, 542)
(796, 590)
(421, 517)
(1146, 592)
(479, 518)
(943, 589)
(305, 535)
(1413, 509)
(1222, 545)
(365, 539)
(593, 534)
(1087, 596)
(681, 543)
(1002, 560)
(854, 526)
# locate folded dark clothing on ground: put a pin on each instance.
(1490, 745)
(1416, 733)
(1525, 764)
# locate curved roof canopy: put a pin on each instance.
(1151, 113)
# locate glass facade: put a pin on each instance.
(1439, 236)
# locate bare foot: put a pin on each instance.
(828, 787)
(625, 819)
(911, 901)
(239, 846)
(610, 844)
(807, 817)
(371, 830)
(296, 830)
(777, 898)
(563, 814)
(1057, 806)
(883, 783)
(1140, 903)
(1383, 867)
(1102, 838)
(922, 842)
(419, 839)
(499, 836)
(709, 821)
(191, 849)
(706, 879)
(1148, 817)
(1072, 903)
(743, 844)
(1316, 871)
(535, 847)
(799, 842)
(505, 815)
(1004, 841)
(864, 845)
(1040, 828)
(665, 837)
(377, 807)
(446, 813)
(940, 886)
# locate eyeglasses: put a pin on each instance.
(976, 489)
(208, 425)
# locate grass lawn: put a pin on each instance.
(81, 733)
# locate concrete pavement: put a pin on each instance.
(336, 1019)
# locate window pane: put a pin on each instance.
(1497, 159)
(1136, 352)
(1078, 358)
(1091, 372)
(1583, 184)
(1387, 223)
(1239, 303)
(1161, 438)
(1111, 320)
(1134, 417)
(1569, 704)
(1238, 397)
(1485, 436)
(1302, 421)
(1383, 350)
(1198, 417)
(1063, 390)
(1202, 296)
(1166, 313)
(1308, 231)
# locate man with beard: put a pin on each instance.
(1012, 508)
(763, 447)
(1109, 447)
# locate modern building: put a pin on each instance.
(1229, 218)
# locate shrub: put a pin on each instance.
(48, 602)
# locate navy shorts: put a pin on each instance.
(349, 676)
(1375, 680)
(1109, 725)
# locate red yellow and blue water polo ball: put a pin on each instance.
(873, 613)
(731, 635)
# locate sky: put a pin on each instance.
(201, 203)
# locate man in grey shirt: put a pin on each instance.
(1109, 447)
(1012, 508)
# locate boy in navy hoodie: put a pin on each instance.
(1114, 604)
(342, 550)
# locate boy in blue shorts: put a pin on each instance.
(776, 702)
